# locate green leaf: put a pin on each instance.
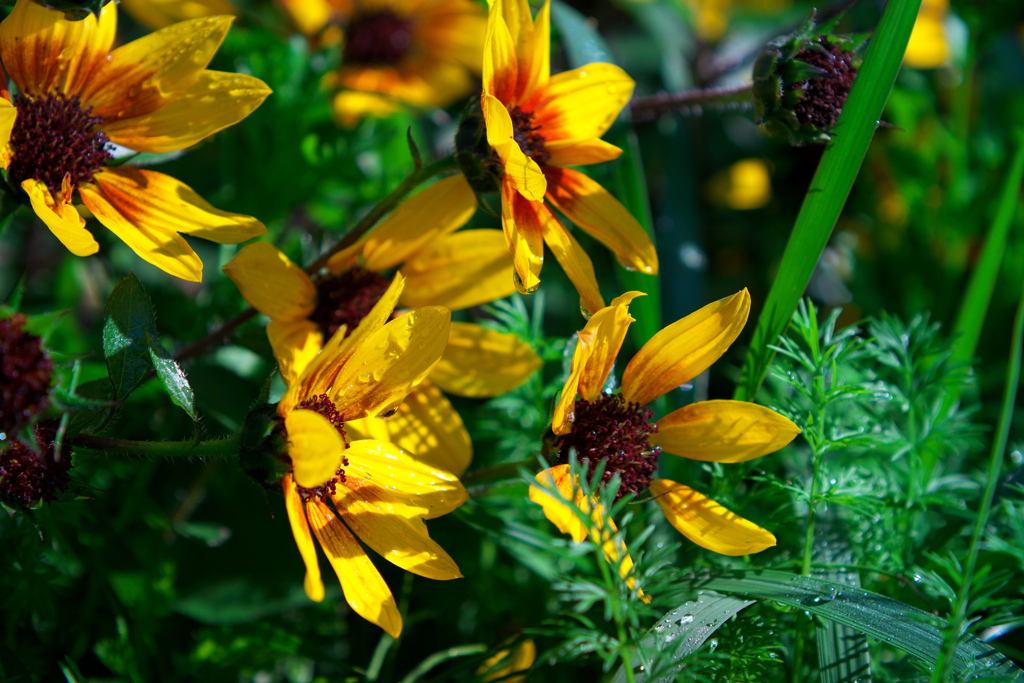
(129, 326)
(174, 380)
(583, 44)
(831, 185)
(902, 626)
(683, 630)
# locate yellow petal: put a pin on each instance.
(155, 200)
(271, 283)
(461, 270)
(295, 343)
(443, 207)
(351, 106)
(535, 54)
(610, 325)
(61, 218)
(501, 64)
(596, 211)
(521, 171)
(684, 349)
(364, 589)
(426, 426)
(315, 447)
(43, 51)
(522, 222)
(309, 16)
(481, 363)
(382, 371)
(574, 261)
(502, 664)
(146, 74)
(417, 488)
(707, 523)
(215, 101)
(723, 431)
(558, 510)
(313, 584)
(160, 13)
(8, 115)
(565, 408)
(581, 103)
(576, 152)
(369, 512)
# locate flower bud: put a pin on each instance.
(31, 475)
(74, 10)
(25, 374)
(473, 154)
(263, 446)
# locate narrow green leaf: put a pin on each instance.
(174, 380)
(683, 630)
(439, 657)
(831, 185)
(904, 627)
(129, 325)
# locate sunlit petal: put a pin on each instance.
(271, 282)
(481, 363)
(501, 65)
(582, 103)
(522, 222)
(723, 431)
(520, 170)
(558, 511)
(313, 584)
(315, 447)
(565, 408)
(295, 343)
(61, 218)
(467, 268)
(574, 261)
(610, 325)
(576, 152)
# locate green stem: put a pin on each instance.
(161, 449)
(689, 101)
(509, 470)
(944, 664)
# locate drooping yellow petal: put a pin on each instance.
(8, 116)
(707, 523)
(684, 349)
(146, 74)
(610, 325)
(481, 363)
(574, 261)
(271, 282)
(557, 510)
(581, 103)
(418, 489)
(158, 201)
(602, 216)
(295, 343)
(363, 586)
(573, 152)
(61, 218)
(382, 371)
(42, 51)
(313, 584)
(522, 222)
(723, 431)
(521, 171)
(565, 408)
(442, 208)
(426, 426)
(315, 447)
(501, 64)
(368, 511)
(214, 101)
(467, 268)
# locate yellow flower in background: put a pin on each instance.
(537, 125)
(617, 429)
(422, 53)
(744, 185)
(343, 488)
(75, 96)
(160, 13)
(441, 267)
(928, 47)
(711, 17)
(505, 662)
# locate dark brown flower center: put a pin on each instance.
(323, 405)
(378, 39)
(527, 137)
(615, 432)
(54, 137)
(28, 478)
(825, 95)
(25, 373)
(346, 299)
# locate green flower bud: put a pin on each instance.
(473, 154)
(263, 446)
(74, 10)
(801, 82)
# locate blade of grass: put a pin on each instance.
(831, 185)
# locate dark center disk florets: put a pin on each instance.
(824, 96)
(25, 374)
(323, 405)
(527, 137)
(54, 137)
(380, 38)
(612, 431)
(346, 299)
(27, 477)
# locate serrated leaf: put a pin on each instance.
(173, 379)
(129, 325)
(683, 630)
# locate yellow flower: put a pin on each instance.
(418, 52)
(928, 47)
(442, 267)
(711, 17)
(499, 666)
(744, 185)
(616, 428)
(155, 94)
(160, 13)
(379, 493)
(538, 124)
